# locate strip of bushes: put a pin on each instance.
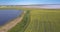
(20, 27)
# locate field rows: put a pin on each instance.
(44, 21)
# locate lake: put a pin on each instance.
(7, 15)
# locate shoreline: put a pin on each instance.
(8, 26)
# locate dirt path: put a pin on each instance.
(8, 26)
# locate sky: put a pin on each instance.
(28, 2)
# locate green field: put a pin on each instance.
(41, 20)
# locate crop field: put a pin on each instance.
(42, 20)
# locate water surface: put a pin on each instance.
(7, 15)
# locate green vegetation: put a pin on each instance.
(44, 20)
(20, 27)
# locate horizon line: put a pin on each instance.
(37, 4)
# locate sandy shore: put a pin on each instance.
(10, 25)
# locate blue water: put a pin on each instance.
(6, 15)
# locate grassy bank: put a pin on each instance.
(20, 27)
